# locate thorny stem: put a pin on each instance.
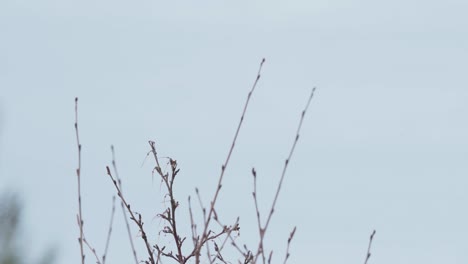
(78, 174)
(204, 236)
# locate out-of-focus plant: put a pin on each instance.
(11, 251)
(10, 212)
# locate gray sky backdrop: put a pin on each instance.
(384, 145)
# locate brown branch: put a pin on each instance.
(201, 205)
(289, 243)
(170, 214)
(158, 258)
(203, 238)
(78, 174)
(270, 257)
(92, 250)
(200, 202)
(263, 230)
(234, 243)
(124, 212)
(193, 226)
(254, 194)
(228, 235)
(138, 221)
(368, 255)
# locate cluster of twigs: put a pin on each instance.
(206, 239)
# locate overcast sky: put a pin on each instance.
(384, 145)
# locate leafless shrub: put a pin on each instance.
(204, 240)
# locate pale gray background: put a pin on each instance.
(384, 144)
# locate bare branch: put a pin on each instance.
(263, 230)
(235, 227)
(110, 231)
(216, 239)
(224, 166)
(369, 247)
(289, 243)
(78, 174)
(193, 226)
(171, 211)
(138, 221)
(124, 212)
(98, 261)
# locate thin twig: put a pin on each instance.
(262, 231)
(92, 250)
(286, 163)
(110, 231)
(369, 247)
(193, 226)
(124, 212)
(254, 194)
(289, 243)
(138, 222)
(204, 236)
(208, 253)
(201, 205)
(228, 235)
(78, 174)
(233, 241)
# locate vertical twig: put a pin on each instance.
(193, 226)
(78, 174)
(170, 214)
(254, 194)
(201, 205)
(369, 247)
(262, 231)
(110, 231)
(224, 166)
(124, 212)
(289, 243)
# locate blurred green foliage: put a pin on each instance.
(11, 250)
